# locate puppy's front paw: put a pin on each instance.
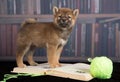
(55, 65)
(22, 65)
(34, 64)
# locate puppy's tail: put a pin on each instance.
(28, 21)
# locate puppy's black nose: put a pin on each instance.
(63, 21)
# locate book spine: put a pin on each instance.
(4, 40)
(68, 2)
(42, 6)
(83, 34)
(30, 7)
(59, 4)
(65, 3)
(78, 39)
(35, 7)
(72, 6)
(1, 52)
(38, 7)
(81, 6)
(50, 7)
(10, 7)
(88, 40)
(78, 5)
(113, 40)
(86, 6)
(100, 44)
(111, 37)
(8, 39)
(117, 39)
(54, 3)
(3, 7)
(92, 6)
(96, 39)
(118, 6)
(97, 7)
(24, 7)
(93, 40)
(18, 7)
(89, 7)
(104, 39)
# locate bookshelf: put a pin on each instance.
(80, 17)
(83, 18)
(96, 33)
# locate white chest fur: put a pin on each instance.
(63, 42)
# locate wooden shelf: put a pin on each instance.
(90, 18)
(50, 16)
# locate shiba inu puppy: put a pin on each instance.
(51, 35)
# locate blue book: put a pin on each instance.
(88, 40)
(10, 7)
(18, 7)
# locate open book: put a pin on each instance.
(78, 71)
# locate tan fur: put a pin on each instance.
(30, 20)
(52, 35)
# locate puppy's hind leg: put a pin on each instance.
(20, 52)
(30, 57)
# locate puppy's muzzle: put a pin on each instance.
(63, 22)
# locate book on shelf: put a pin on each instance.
(8, 39)
(105, 39)
(88, 40)
(11, 7)
(83, 39)
(78, 39)
(96, 38)
(3, 39)
(111, 39)
(117, 39)
(3, 6)
(77, 71)
(19, 7)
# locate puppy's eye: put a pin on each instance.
(69, 17)
(59, 17)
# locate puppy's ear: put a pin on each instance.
(76, 12)
(55, 10)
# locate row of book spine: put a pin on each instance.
(11, 7)
(86, 40)
(97, 39)
(8, 35)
